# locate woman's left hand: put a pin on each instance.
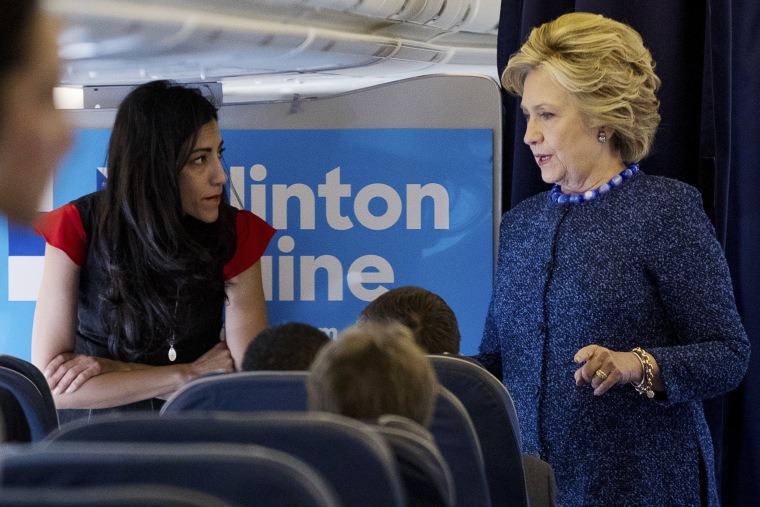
(605, 368)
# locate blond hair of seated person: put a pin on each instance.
(373, 370)
(370, 370)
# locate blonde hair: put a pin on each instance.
(370, 370)
(605, 67)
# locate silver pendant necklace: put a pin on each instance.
(172, 352)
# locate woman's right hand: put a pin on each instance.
(68, 371)
(216, 360)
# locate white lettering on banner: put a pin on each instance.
(281, 194)
(285, 268)
(332, 191)
(380, 272)
(414, 196)
(309, 266)
(368, 276)
(377, 191)
(258, 192)
(367, 269)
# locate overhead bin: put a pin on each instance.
(112, 42)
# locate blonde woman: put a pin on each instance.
(612, 315)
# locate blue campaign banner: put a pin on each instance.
(358, 212)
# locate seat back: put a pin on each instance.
(493, 414)
(455, 436)
(31, 372)
(242, 392)
(355, 460)
(143, 495)
(260, 390)
(422, 466)
(41, 417)
(238, 474)
(13, 425)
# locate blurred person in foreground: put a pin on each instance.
(34, 135)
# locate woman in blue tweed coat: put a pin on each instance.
(612, 315)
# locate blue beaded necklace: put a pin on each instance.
(557, 196)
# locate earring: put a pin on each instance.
(602, 137)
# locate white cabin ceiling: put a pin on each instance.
(271, 50)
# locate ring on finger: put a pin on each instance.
(601, 374)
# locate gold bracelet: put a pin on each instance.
(645, 386)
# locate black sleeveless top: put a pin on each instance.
(199, 309)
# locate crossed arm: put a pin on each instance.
(79, 381)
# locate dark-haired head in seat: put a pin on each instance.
(429, 317)
(290, 346)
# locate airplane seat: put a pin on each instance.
(32, 373)
(493, 414)
(422, 466)
(13, 425)
(540, 481)
(142, 495)
(355, 460)
(241, 392)
(238, 474)
(39, 415)
(452, 428)
(458, 442)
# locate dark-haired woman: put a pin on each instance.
(140, 278)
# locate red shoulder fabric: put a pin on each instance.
(63, 229)
(253, 236)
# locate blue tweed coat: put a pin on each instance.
(637, 267)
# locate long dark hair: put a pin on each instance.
(16, 18)
(149, 251)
